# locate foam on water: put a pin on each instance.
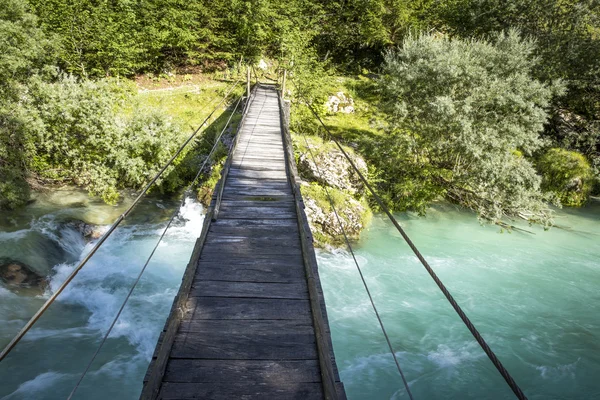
(35, 386)
(534, 298)
(71, 329)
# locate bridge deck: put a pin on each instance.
(245, 326)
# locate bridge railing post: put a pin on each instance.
(248, 81)
(283, 83)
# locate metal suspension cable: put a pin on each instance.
(175, 213)
(112, 228)
(349, 245)
(486, 348)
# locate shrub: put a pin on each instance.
(458, 109)
(87, 138)
(567, 174)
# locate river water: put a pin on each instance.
(534, 297)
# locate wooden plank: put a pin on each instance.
(256, 273)
(279, 198)
(220, 251)
(287, 240)
(250, 191)
(290, 260)
(262, 168)
(245, 173)
(263, 147)
(276, 372)
(272, 202)
(211, 258)
(233, 346)
(254, 182)
(243, 223)
(240, 390)
(257, 327)
(259, 157)
(257, 290)
(264, 231)
(227, 308)
(257, 212)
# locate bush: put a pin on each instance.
(567, 174)
(87, 138)
(80, 132)
(458, 110)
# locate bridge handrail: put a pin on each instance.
(470, 326)
(106, 235)
(151, 388)
(321, 326)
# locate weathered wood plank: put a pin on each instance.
(280, 202)
(257, 371)
(263, 168)
(257, 231)
(259, 157)
(245, 173)
(233, 346)
(237, 197)
(211, 258)
(257, 212)
(241, 390)
(285, 240)
(245, 223)
(254, 182)
(220, 251)
(248, 327)
(257, 290)
(257, 191)
(250, 273)
(227, 308)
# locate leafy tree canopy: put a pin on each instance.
(463, 112)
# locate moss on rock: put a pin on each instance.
(354, 214)
(330, 170)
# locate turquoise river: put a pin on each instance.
(534, 297)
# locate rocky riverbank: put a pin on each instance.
(329, 178)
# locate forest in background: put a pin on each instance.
(490, 104)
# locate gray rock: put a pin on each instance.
(88, 231)
(331, 168)
(340, 103)
(16, 274)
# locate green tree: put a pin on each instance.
(462, 114)
(567, 174)
(568, 36)
(24, 50)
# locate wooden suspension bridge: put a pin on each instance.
(249, 321)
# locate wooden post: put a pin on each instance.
(283, 83)
(248, 81)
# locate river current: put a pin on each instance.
(534, 297)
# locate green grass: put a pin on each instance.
(366, 122)
(189, 105)
(344, 203)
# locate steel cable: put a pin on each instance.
(186, 193)
(112, 228)
(387, 338)
(486, 348)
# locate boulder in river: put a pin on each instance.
(15, 274)
(88, 231)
